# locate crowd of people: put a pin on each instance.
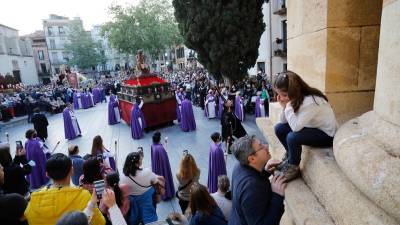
(38, 187)
(51, 98)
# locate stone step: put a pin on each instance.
(287, 218)
(304, 206)
(328, 183)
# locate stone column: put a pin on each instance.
(333, 46)
(367, 148)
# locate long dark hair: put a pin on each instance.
(112, 180)
(296, 88)
(201, 200)
(130, 165)
(97, 145)
(91, 170)
(5, 156)
(156, 137)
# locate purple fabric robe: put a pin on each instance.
(69, 130)
(96, 95)
(179, 99)
(136, 129)
(188, 123)
(34, 151)
(112, 118)
(216, 166)
(160, 166)
(258, 111)
(238, 109)
(76, 99)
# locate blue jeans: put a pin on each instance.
(292, 141)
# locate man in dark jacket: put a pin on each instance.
(40, 124)
(255, 200)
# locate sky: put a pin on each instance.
(26, 15)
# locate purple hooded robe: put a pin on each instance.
(34, 152)
(188, 123)
(239, 108)
(216, 166)
(114, 115)
(160, 166)
(137, 122)
(71, 125)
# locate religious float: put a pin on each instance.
(158, 97)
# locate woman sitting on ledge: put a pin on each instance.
(307, 119)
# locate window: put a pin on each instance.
(285, 67)
(61, 30)
(261, 66)
(52, 44)
(65, 56)
(284, 33)
(54, 57)
(41, 55)
(50, 31)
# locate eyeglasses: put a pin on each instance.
(264, 146)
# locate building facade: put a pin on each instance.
(56, 29)
(114, 60)
(16, 56)
(273, 48)
(41, 55)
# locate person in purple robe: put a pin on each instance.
(160, 165)
(35, 151)
(209, 109)
(71, 126)
(179, 98)
(216, 162)
(114, 115)
(259, 108)
(96, 95)
(137, 120)
(85, 100)
(188, 123)
(239, 107)
(78, 101)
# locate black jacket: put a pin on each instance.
(14, 176)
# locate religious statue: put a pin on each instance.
(141, 66)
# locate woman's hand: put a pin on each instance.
(271, 164)
(281, 101)
(109, 198)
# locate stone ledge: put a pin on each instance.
(367, 150)
(287, 218)
(304, 206)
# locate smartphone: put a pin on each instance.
(32, 163)
(99, 187)
(18, 144)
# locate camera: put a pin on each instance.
(99, 158)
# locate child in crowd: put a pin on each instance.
(77, 163)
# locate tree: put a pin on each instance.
(85, 52)
(150, 26)
(225, 34)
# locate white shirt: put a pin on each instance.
(314, 112)
(143, 177)
(223, 203)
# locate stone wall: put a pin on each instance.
(333, 46)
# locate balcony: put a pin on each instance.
(279, 48)
(279, 7)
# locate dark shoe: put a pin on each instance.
(289, 172)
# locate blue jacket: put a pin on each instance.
(253, 202)
(77, 164)
(216, 218)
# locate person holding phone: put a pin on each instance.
(105, 157)
(15, 170)
(36, 152)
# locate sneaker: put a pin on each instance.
(290, 172)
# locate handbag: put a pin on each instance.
(180, 188)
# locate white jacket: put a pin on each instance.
(314, 112)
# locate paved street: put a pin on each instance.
(93, 122)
